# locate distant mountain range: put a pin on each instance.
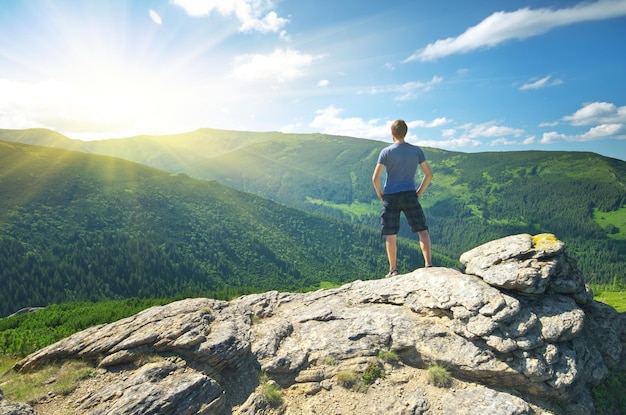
(475, 197)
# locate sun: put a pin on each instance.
(109, 89)
(118, 69)
(100, 74)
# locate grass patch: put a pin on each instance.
(355, 209)
(270, 391)
(350, 379)
(347, 378)
(328, 284)
(439, 376)
(271, 394)
(6, 363)
(388, 356)
(609, 397)
(372, 372)
(57, 379)
(614, 223)
(616, 299)
(330, 361)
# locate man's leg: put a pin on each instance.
(425, 246)
(392, 250)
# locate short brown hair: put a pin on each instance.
(399, 129)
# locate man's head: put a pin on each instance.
(399, 129)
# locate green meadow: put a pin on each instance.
(616, 299)
(613, 222)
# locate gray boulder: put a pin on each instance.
(518, 322)
(14, 408)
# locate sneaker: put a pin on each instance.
(392, 273)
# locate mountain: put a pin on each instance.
(475, 197)
(76, 226)
(40, 136)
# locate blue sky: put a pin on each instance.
(466, 76)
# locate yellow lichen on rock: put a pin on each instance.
(545, 241)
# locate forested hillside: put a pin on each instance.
(558, 192)
(76, 227)
(475, 197)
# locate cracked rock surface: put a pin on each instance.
(518, 326)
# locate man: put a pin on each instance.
(400, 193)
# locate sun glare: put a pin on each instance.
(104, 78)
(110, 96)
(107, 98)
(110, 73)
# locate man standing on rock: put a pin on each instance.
(400, 193)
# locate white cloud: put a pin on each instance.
(603, 131)
(474, 135)
(406, 91)
(507, 141)
(282, 65)
(270, 23)
(490, 129)
(607, 121)
(437, 122)
(549, 124)
(541, 83)
(599, 132)
(503, 142)
(520, 24)
(254, 15)
(323, 83)
(410, 90)
(329, 121)
(155, 17)
(597, 113)
(451, 143)
(552, 137)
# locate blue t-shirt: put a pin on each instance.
(400, 161)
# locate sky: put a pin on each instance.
(466, 76)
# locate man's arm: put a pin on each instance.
(378, 170)
(428, 177)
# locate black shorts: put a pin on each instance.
(406, 202)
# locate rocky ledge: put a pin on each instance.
(517, 326)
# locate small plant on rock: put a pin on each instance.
(270, 391)
(271, 394)
(388, 356)
(372, 372)
(347, 378)
(439, 376)
(330, 361)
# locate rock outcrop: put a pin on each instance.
(517, 326)
(14, 408)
